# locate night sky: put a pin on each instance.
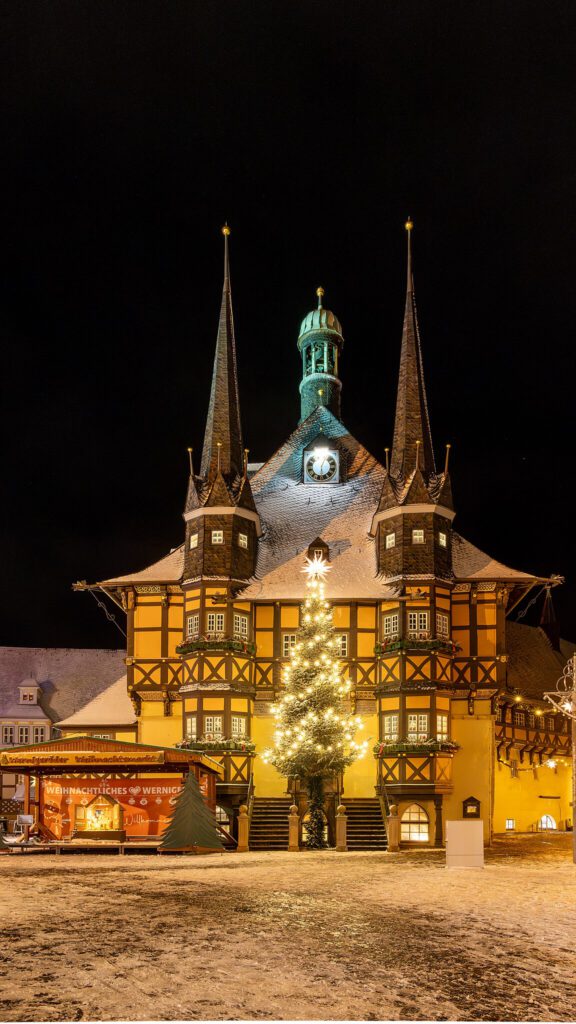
(131, 131)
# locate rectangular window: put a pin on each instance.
(193, 540)
(442, 624)
(417, 728)
(241, 626)
(391, 733)
(102, 735)
(216, 622)
(417, 536)
(213, 726)
(418, 625)
(390, 541)
(550, 725)
(441, 727)
(27, 696)
(318, 553)
(391, 625)
(23, 734)
(531, 720)
(342, 645)
(288, 644)
(443, 540)
(193, 624)
(38, 734)
(191, 727)
(243, 540)
(8, 733)
(217, 536)
(518, 718)
(510, 824)
(238, 725)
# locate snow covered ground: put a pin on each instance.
(290, 936)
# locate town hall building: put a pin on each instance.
(448, 686)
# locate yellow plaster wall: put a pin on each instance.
(360, 777)
(267, 781)
(157, 728)
(473, 764)
(521, 798)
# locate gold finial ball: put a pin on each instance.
(225, 230)
(319, 292)
(409, 225)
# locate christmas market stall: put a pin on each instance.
(86, 789)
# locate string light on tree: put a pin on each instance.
(315, 733)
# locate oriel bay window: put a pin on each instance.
(417, 727)
(441, 727)
(418, 625)
(213, 727)
(215, 623)
(390, 732)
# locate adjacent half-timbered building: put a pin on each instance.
(423, 616)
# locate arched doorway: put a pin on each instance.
(415, 825)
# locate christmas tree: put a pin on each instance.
(314, 737)
(192, 825)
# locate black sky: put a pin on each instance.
(131, 130)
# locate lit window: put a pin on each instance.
(216, 622)
(102, 736)
(391, 625)
(23, 734)
(38, 733)
(213, 726)
(531, 720)
(318, 553)
(391, 732)
(238, 725)
(441, 727)
(342, 645)
(193, 540)
(390, 540)
(288, 644)
(193, 624)
(417, 536)
(191, 727)
(241, 626)
(546, 822)
(518, 718)
(550, 724)
(414, 825)
(243, 540)
(442, 624)
(443, 540)
(27, 696)
(417, 728)
(418, 625)
(217, 536)
(510, 824)
(7, 735)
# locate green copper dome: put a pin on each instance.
(319, 320)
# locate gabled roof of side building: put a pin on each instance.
(533, 664)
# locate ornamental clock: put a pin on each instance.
(321, 466)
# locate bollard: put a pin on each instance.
(393, 830)
(341, 826)
(243, 829)
(293, 830)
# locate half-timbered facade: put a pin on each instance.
(422, 615)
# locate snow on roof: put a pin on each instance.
(111, 707)
(69, 677)
(469, 563)
(533, 664)
(294, 514)
(166, 570)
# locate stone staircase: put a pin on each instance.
(366, 829)
(269, 825)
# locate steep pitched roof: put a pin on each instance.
(223, 421)
(470, 563)
(110, 707)
(293, 514)
(533, 665)
(70, 677)
(412, 422)
(168, 569)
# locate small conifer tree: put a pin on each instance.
(192, 824)
(314, 737)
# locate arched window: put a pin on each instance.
(414, 825)
(546, 822)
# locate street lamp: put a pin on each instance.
(563, 699)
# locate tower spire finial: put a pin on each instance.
(320, 294)
(226, 233)
(409, 225)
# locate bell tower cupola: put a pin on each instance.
(320, 343)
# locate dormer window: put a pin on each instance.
(28, 695)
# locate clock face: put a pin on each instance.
(321, 466)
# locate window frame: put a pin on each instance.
(193, 543)
(218, 617)
(243, 541)
(393, 631)
(419, 730)
(442, 727)
(418, 535)
(194, 629)
(8, 731)
(343, 644)
(241, 618)
(38, 729)
(442, 539)
(288, 644)
(191, 726)
(442, 625)
(391, 540)
(415, 827)
(23, 730)
(217, 537)
(391, 727)
(213, 731)
(243, 721)
(421, 625)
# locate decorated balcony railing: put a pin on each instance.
(216, 642)
(440, 644)
(426, 764)
(431, 746)
(235, 755)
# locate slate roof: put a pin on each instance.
(110, 707)
(533, 665)
(294, 514)
(70, 677)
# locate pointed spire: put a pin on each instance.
(412, 424)
(223, 437)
